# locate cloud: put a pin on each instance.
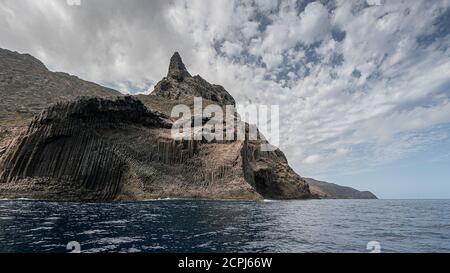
(231, 49)
(314, 23)
(312, 159)
(358, 84)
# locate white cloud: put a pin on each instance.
(312, 159)
(314, 23)
(358, 85)
(231, 49)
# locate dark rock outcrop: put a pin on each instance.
(122, 149)
(179, 84)
(270, 174)
(332, 191)
(63, 155)
(27, 87)
(177, 69)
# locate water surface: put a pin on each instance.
(213, 226)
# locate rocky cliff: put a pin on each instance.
(179, 84)
(327, 190)
(27, 87)
(121, 148)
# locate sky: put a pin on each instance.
(363, 86)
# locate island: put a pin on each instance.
(66, 139)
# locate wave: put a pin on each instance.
(17, 199)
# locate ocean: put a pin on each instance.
(213, 226)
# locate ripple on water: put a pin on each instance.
(209, 226)
(94, 231)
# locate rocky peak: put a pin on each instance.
(177, 69)
(14, 59)
(179, 85)
(106, 148)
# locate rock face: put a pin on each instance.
(108, 149)
(177, 69)
(179, 84)
(332, 191)
(62, 156)
(27, 87)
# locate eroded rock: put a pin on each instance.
(118, 149)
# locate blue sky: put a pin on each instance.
(424, 174)
(363, 86)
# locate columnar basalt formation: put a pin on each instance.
(64, 147)
(27, 87)
(108, 149)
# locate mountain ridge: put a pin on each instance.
(65, 151)
(328, 190)
(99, 149)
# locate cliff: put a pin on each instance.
(27, 87)
(327, 190)
(108, 148)
(179, 84)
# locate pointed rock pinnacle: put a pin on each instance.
(177, 70)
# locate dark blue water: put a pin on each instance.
(206, 226)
